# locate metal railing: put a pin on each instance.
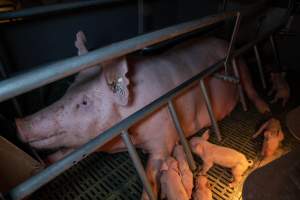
(56, 8)
(49, 73)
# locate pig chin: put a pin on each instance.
(36, 138)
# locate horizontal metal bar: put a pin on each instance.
(42, 10)
(48, 174)
(43, 75)
(182, 137)
(137, 164)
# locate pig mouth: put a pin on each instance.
(45, 141)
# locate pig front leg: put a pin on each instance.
(153, 174)
(261, 106)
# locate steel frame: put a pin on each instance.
(38, 77)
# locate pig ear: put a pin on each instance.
(205, 135)
(115, 74)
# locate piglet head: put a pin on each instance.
(270, 134)
(197, 143)
(87, 109)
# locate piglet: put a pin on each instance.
(171, 184)
(223, 156)
(184, 170)
(280, 87)
(202, 189)
(273, 136)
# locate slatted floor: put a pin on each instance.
(113, 177)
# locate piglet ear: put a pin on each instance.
(115, 74)
(205, 135)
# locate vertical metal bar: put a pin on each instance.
(232, 40)
(260, 68)
(182, 138)
(275, 51)
(141, 16)
(138, 164)
(224, 5)
(240, 88)
(210, 110)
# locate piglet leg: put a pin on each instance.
(207, 164)
(153, 174)
(237, 173)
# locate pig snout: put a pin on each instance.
(39, 131)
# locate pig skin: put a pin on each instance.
(202, 189)
(273, 136)
(184, 170)
(223, 156)
(171, 185)
(101, 96)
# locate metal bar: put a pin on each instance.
(260, 67)
(43, 10)
(224, 5)
(240, 88)
(137, 164)
(52, 171)
(231, 79)
(210, 110)
(232, 40)
(43, 75)
(275, 51)
(141, 16)
(182, 137)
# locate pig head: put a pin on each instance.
(271, 143)
(84, 111)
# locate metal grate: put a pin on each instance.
(113, 177)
